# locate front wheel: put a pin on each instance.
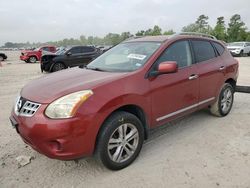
(241, 53)
(32, 59)
(58, 67)
(224, 103)
(120, 140)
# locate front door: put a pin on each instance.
(177, 93)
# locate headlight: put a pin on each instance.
(66, 107)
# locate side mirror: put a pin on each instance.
(68, 53)
(164, 68)
(168, 67)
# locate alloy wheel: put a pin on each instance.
(226, 101)
(123, 143)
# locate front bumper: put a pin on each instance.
(63, 139)
(235, 52)
(24, 57)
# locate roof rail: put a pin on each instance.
(133, 37)
(196, 34)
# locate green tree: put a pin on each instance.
(169, 32)
(248, 37)
(125, 35)
(140, 33)
(156, 30)
(236, 29)
(190, 28)
(201, 25)
(220, 29)
(112, 39)
(148, 32)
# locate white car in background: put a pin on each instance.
(239, 48)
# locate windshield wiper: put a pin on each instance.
(95, 68)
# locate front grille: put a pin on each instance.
(232, 48)
(26, 108)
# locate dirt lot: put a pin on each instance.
(197, 151)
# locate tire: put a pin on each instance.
(224, 103)
(58, 67)
(114, 150)
(1, 58)
(241, 53)
(32, 59)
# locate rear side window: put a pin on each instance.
(203, 50)
(76, 50)
(179, 52)
(220, 49)
(87, 49)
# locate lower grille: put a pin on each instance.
(26, 108)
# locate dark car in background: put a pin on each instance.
(2, 56)
(69, 57)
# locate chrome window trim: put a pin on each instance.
(184, 109)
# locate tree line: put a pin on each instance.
(235, 30)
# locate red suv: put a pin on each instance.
(109, 107)
(31, 56)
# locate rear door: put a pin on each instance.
(210, 69)
(177, 93)
(89, 54)
(75, 56)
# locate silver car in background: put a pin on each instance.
(239, 48)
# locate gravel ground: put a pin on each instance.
(196, 151)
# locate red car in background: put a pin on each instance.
(31, 56)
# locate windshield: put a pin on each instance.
(236, 44)
(61, 51)
(125, 57)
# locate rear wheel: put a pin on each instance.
(32, 59)
(224, 103)
(120, 140)
(58, 67)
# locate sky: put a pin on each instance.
(51, 20)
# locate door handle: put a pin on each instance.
(222, 68)
(193, 77)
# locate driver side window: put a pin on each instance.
(179, 52)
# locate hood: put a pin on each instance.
(48, 88)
